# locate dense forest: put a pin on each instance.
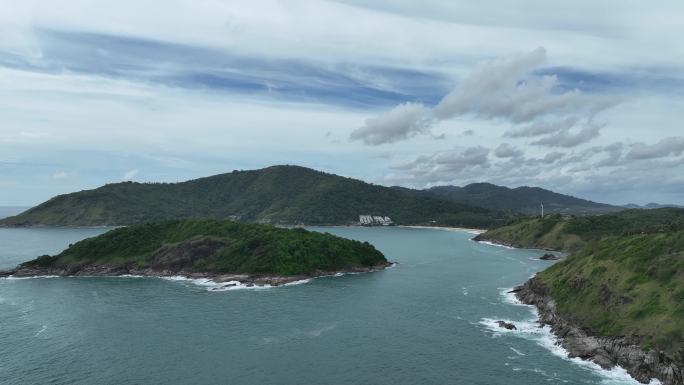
(278, 194)
(210, 246)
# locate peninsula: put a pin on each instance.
(618, 298)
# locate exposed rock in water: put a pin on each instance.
(607, 352)
(549, 257)
(6, 273)
(506, 325)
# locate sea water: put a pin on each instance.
(431, 319)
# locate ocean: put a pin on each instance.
(431, 319)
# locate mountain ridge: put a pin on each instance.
(522, 199)
(283, 194)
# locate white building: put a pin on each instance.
(370, 220)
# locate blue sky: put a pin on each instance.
(550, 94)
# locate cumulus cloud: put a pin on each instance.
(433, 168)
(567, 138)
(505, 150)
(403, 121)
(129, 175)
(665, 147)
(503, 89)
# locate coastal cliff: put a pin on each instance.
(618, 298)
(623, 351)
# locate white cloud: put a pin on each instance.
(60, 175)
(402, 122)
(663, 148)
(505, 150)
(129, 175)
(501, 89)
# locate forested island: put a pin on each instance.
(618, 299)
(220, 250)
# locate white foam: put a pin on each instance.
(11, 277)
(543, 336)
(518, 352)
(44, 328)
(227, 285)
(495, 244)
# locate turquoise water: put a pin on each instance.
(428, 320)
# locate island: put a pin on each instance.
(221, 250)
(618, 298)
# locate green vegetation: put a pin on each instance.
(279, 194)
(571, 234)
(625, 285)
(625, 276)
(523, 199)
(213, 246)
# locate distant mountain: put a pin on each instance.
(523, 199)
(651, 206)
(278, 194)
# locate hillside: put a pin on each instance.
(619, 297)
(625, 285)
(208, 248)
(557, 233)
(525, 200)
(278, 194)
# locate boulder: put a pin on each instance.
(506, 325)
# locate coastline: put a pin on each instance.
(218, 282)
(443, 228)
(604, 351)
(496, 242)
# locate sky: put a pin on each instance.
(580, 97)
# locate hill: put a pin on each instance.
(209, 248)
(651, 206)
(619, 297)
(278, 194)
(571, 234)
(525, 200)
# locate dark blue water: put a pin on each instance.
(427, 321)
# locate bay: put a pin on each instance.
(429, 320)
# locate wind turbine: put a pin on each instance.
(542, 209)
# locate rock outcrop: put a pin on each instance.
(607, 352)
(506, 325)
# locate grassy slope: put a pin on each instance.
(625, 285)
(625, 276)
(251, 248)
(554, 232)
(280, 194)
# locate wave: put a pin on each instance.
(12, 278)
(496, 244)
(44, 328)
(211, 285)
(543, 336)
(208, 283)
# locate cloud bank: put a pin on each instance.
(503, 89)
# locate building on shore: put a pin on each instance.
(375, 220)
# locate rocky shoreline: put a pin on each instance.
(229, 279)
(607, 352)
